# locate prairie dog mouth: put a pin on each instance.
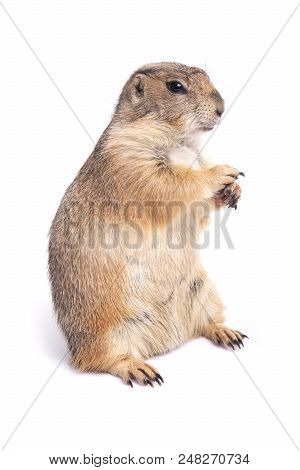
(209, 126)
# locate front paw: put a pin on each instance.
(229, 195)
(222, 176)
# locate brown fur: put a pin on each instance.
(122, 293)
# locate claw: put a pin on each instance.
(145, 373)
(233, 205)
(242, 173)
(233, 201)
(129, 382)
(237, 343)
(157, 380)
(148, 382)
(242, 334)
(158, 376)
(231, 345)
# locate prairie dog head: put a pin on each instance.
(173, 94)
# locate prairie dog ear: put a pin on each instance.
(139, 85)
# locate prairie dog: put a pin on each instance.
(126, 280)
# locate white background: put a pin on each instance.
(208, 403)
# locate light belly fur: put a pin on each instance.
(168, 293)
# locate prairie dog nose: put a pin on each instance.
(220, 107)
(219, 103)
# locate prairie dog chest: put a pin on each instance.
(187, 153)
(185, 157)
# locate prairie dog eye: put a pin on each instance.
(174, 86)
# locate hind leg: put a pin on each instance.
(114, 358)
(130, 369)
(209, 310)
(220, 334)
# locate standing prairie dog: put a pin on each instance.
(122, 290)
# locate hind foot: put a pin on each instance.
(226, 337)
(133, 370)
